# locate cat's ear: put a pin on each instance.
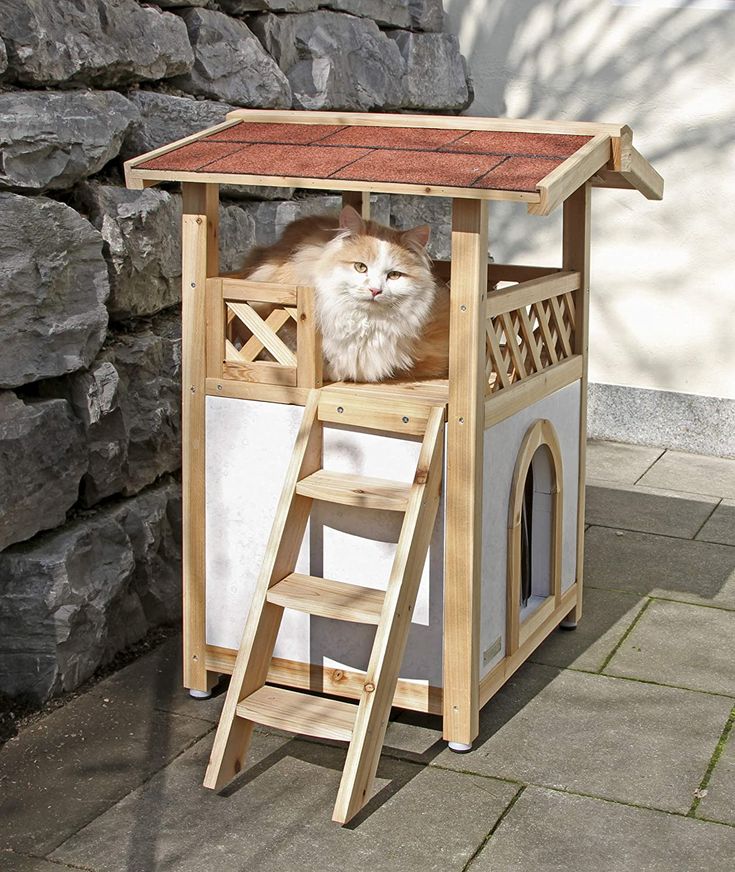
(418, 236)
(350, 219)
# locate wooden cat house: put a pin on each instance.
(350, 547)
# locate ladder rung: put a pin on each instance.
(299, 713)
(355, 490)
(330, 599)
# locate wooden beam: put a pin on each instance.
(200, 259)
(562, 181)
(525, 293)
(359, 200)
(462, 563)
(576, 256)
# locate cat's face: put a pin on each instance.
(377, 271)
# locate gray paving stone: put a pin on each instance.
(278, 818)
(647, 510)
(681, 644)
(70, 766)
(719, 804)
(617, 739)
(721, 525)
(11, 862)
(607, 614)
(693, 473)
(155, 682)
(680, 569)
(615, 461)
(547, 830)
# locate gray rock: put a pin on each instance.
(239, 7)
(426, 14)
(148, 365)
(164, 118)
(334, 61)
(73, 598)
(387, 13)
(178, 4)
(140, 230)
(3, 58)
(435, 77)
(42, 459)
(51, 140)
(407, 212)
(104, 44)
(94, 397)
(53, 287)
(230, 64)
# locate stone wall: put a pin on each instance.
(90, 347)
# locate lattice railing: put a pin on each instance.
(263, 333)
(529, 327)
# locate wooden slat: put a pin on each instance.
(511, 341)
(327, 598)
(543, 320)
(561, 326)
(355, 490)
(500, 406)
(639, 173)
(358, 408)
(252, 348)
(532, 291)
(261, 292)
(299, 713)
(240, 390)
(442, 122)
(576, 255)
(465, 418)
(562, 181)
(257, 326)
(415, 696)
(390, 637)
(500, 272)
(359, 200)
(200, 259)
(529, 338)
(233, 734)
(260, 372)
(499, 365)
(308, 341)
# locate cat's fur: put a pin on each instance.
(380, 310)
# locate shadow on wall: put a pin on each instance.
(664, 69)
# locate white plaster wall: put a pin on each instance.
(663, 274)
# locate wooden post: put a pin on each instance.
(465, 431)
(576, 256)
(200, 259)
(359, 200)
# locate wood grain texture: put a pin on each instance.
(200, 259)
(462, 565)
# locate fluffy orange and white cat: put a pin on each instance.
(381, 311)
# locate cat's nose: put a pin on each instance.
(375, 292)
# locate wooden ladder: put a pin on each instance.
(249, 699)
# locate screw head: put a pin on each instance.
(461, 420)
(340, 409)
(463, 307)
(405, 419)
(193, 284)
(219, 387)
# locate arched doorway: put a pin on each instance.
(534, 534)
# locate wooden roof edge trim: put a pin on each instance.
(140, 178)
(577, 169)
(441, 122)
(133, 162)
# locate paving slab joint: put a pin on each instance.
(625, 635)
(506, 811)
(700, 792)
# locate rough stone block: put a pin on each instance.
(407, 212)
(435, 77)
(426, 14)
(239, 7)
(230, 64)
(73, 598)
(386, 13)
(334, 61)
(148, 364)
(164, 118)
(104, 44)
(138, 228)
(53, 139)
(42, 460)
(3, 58)
(53, 287)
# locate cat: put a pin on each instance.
(380, 310)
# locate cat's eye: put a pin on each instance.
(394, 274)
(361, 267)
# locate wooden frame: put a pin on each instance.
(509, 347)
(540, 434)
